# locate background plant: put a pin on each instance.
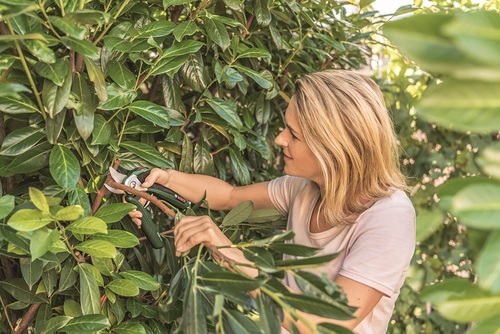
(199, 86)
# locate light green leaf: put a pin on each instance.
(64, 167)
(88, 225)
(21, 140)
(41, 242)
(123, 287)
(227, 111)
(97, 77)
(28, 220)
(147, 153)
(89, 292)
(491, 326)
(114, 212)
(464, 105)
(487, 265)
(156, 114)
(489, 160)
(17, 105)
(141, 279)
(54, 324)
(478, 206)
(427, 223)
(262, 78)
(6, 205)
(39, 200)
(238, 214)
(239, 323)
(86, 324)
(98, 248)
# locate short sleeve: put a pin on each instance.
(382, 245)
(283, 190)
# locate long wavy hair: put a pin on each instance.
(345, 122)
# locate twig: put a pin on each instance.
(101, 192)
(27, 319)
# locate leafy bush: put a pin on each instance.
(194, 85)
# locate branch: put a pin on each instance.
(27, 319)
(101, 192)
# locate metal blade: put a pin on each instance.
(117, 176)
(113, 190)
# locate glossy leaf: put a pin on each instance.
(97, 77)
(89, 292)
(260, 78)
(294, 249)
(56, 72)
(54, 126)
(28, 220)
(87, 104)
(239, 323)
(98, 248)
(186, 28)
(87, 323)
(231, 281)
(39, 200)
(31, 271)
(123, 287)
(101, 131)
(227, 111)
(117, 98)
(157, 29)
(88, 225)
(68, 27)
(147, 153)
(141, 279)
(40, 50)
(18, 289)
(182, 48)
(114, 212)
(488, 266)
(121, 75)
(54, 324)
(156, 114)
(64, 167)
(17, 105)
(83, 47)
(41, 242)
(21, 140)
(239, 168)
(194, 73)
(56, 97)
(217, 32)
(262, 12)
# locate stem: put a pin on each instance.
(26, 319)
(27, 71)
(5, 310)
(105, 31)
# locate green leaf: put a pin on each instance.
(56, 97)
(55, 72)
(316, 306)
(68, 276)
(121, 75)
(156, 114)
(427, 223)
(54, 324)
(86, 106)
(141, 279)
(294, 249)
(54, 126)
(182, 48)
(21, 140)
(478, 206)
(169, 3)
(193, 312)
(31, 271)
(185, 28)
(262, 78)
(41, 242)
(101, 132)
(488, 266)
(489, 160)
(130, 327)
(6, 205)
(268, 319)
(68, 27)
(87, 323)
(89, 292)
(157, 29)
(83, 47)
(491, 326)
(310, 262)
(227, 111)
(40, 50)
(239, 167)
(254, 53)
(31, 160)
(217, 32)
(88, 225)
(329, 328)
(262, 258)
(463, 105)
(123, 287)
(458, 300)
(232, 281)
(19, 104)
(18, 289)
(239, 323)
(147, 153)
(238, 214)
(194, 72)
(117, 43)
(97, 248)
(97, 77)
(64, 167)
(114, 212)
(27, 220)
(262, 12)
(39, 200)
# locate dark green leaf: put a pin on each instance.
(295, 249)
(186, 28)
(261, 11)
(238, 214)
(231, 281)
(68, 27)
(83, 47)
(31, 271)
(121, 75)
(21, 140)
(309, 262)
(101, 131)
(217, 32)
(239, 167)
(194, 73)
(18, 289)
(156, 114)
(227, 111)
(54, 72)
(239, 323)
(56, 97)
(147, 153)
(17, 105)
(87, 323)
(260, 78)
(316, 306)
(157, 29)
(142, 280)
(87, 104)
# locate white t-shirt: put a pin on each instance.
(376, 250)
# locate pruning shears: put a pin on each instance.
(135, 179)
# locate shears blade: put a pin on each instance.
(117, 177)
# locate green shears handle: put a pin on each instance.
(149, 228)
(166, 194)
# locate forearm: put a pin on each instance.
(195, 186)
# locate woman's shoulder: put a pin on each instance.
(395, 207)
(291, 182)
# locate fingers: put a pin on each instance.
(155, 175)
(194, 230)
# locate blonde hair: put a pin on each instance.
(345, 122)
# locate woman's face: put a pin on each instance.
(299, 159)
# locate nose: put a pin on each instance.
(280, 139)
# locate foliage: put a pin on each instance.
(199, 86)
(462, 97)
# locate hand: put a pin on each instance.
(194, 230)
(156, 175)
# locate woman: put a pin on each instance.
(343, 192)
